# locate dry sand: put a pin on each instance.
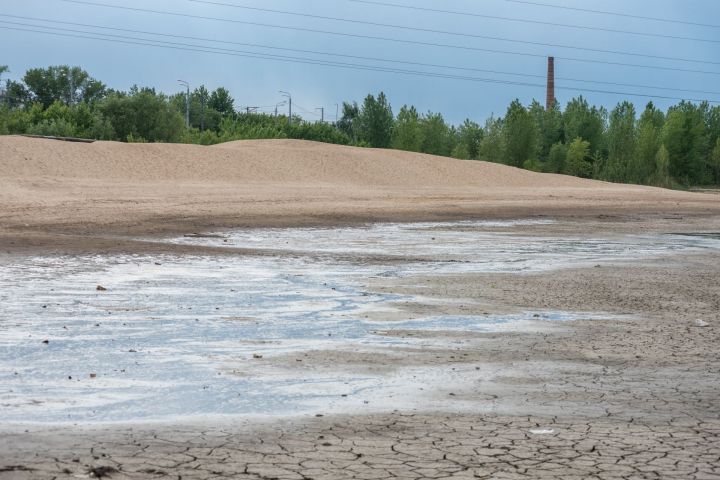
(49, 187)
(629, 398)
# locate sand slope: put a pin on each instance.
(50, 185)
(267, 161)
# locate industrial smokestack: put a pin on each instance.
(550, 99)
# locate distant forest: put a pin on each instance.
(677, 148)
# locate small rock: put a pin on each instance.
(102, 471)
(700, 323)
(257, 355)
(100, 288)
(46, 342)
(93, 375)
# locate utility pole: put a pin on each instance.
(202, 113)
(322, 114)
(72, 87)
(3, 91)
(550, 99)
(337, 110)
(289, 97)
(187, 103)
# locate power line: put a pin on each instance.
(457, 34)
(389, 39)
(286, 59)
(315, 52)
(525, 20)
(617, 14)
(306, 110)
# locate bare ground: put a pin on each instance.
(632, 397)
(628, 397)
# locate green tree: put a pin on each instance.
(375, 121)
(16, 95)
(492, 146)
(437, 136)
(520, 133)
(685, 138)
(715, 163)
(649, 136)
(469, 138)
(222, 102)
(199, 100)
(347, 123)
(581, 120)
(578, 161)
(64, 84)
(549, 124)
(143, 114)
(407, 133)
(661, 176)
(621, 142)
(712, 120)
(555, 162)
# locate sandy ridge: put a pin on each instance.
(49, 187)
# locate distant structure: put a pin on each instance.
(550, 99)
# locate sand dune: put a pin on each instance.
(51, 185)
(267, 161)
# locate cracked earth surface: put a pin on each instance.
(628, 398)
(403, 446)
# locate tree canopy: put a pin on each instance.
(680, 147)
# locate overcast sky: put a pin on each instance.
(255, 82)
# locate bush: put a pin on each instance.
(55, 127)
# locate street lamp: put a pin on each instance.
(289, 97)
(187, 102)
(284, 102)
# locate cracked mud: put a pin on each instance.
(633, 396)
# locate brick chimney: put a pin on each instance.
(550, 99)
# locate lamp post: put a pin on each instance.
(289, 97)
(279, 105)
(187, 102)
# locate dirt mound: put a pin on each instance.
(263, 161)
(55, 185)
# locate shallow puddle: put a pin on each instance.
(182, 336)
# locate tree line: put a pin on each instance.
(673, 148)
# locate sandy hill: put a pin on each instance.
(148, 187)
(258, 161)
